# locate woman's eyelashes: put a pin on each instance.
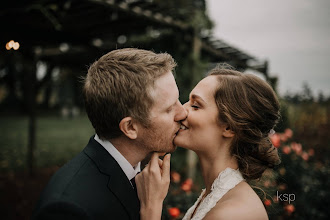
(195, 105)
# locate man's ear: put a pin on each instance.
(128, 126)
(227, 132)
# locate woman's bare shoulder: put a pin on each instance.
(239, 203)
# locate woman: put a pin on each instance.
(230, 116)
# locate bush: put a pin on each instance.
(296, 189)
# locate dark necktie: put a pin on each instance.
(133, 183)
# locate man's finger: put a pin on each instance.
(166, 166)
(160, 163)
(154, 161)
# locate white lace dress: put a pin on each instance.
(226, 180)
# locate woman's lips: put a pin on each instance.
(183, 127)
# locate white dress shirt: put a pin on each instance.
(128, 169)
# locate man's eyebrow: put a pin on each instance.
(194, 96)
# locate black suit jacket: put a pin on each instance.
(91, 186)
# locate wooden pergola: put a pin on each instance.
(52, 28)
(76, 32)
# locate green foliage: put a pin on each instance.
(310, 122)
(296, 189)
(303, 177)
(189, 73)
(58, 140)
(182, 194)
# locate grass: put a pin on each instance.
(57, 140)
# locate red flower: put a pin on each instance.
(305, 156)
(276, 140)
(186, 185)
(174, 212)
(286, 149)
(267, 202)
(296, 148)
(189, 181)
(288, 133)
(175, 177)
(283, 137)
(311, 152)
(289, 208)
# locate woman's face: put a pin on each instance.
(201, 130)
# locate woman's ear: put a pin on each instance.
(227, 132)
(128, 127)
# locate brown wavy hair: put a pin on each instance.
(118, 85)
(251, 109)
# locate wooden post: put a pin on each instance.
(31, 80)
(195, 74)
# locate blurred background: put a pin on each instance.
(46, 48)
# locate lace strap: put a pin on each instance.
(226, 180)
(190, 211)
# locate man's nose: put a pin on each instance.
(181, 113)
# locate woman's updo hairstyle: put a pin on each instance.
(251, 109)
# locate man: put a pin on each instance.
(131, 99)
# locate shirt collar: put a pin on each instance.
(128, 169)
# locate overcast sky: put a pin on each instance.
(294, 35)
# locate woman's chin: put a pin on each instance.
(178, 141)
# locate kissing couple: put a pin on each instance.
(132, 101)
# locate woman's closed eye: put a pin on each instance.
(195, 106)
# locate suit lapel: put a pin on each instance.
(118, 183)
(126, 194)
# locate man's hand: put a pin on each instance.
(152, 186)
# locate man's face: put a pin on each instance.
(165, 115)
